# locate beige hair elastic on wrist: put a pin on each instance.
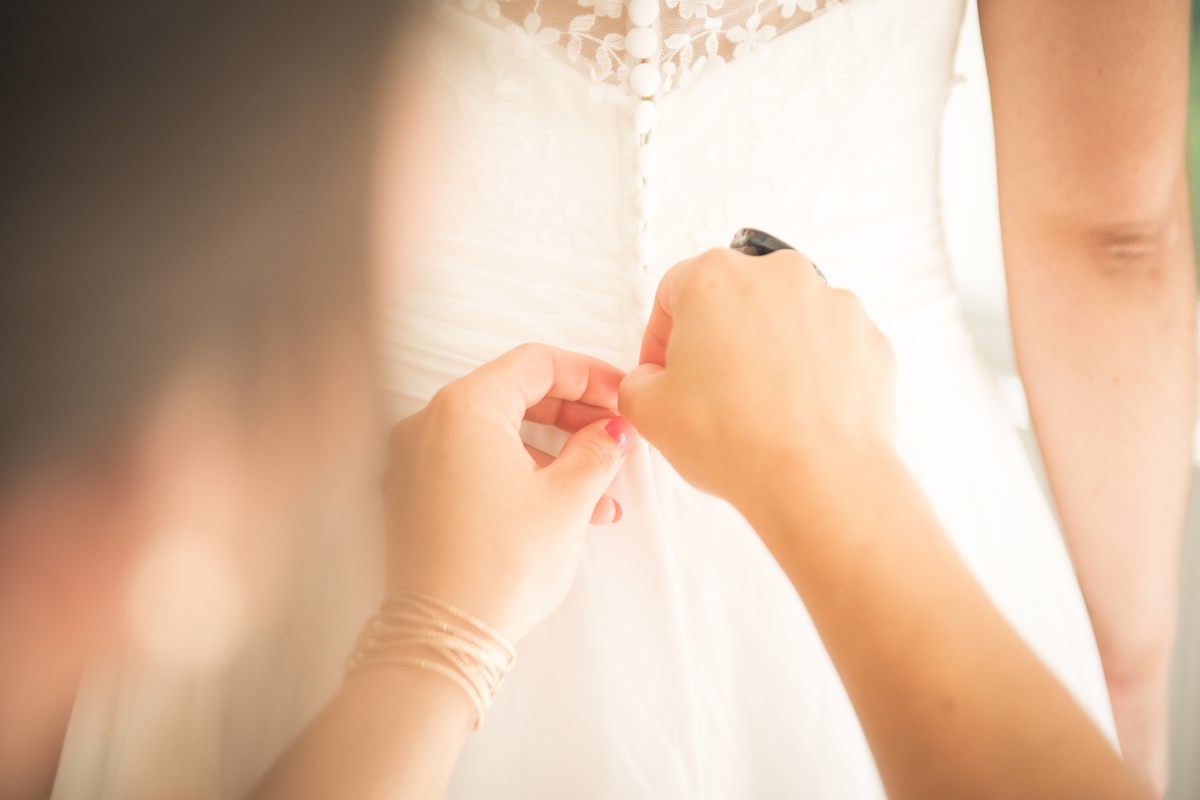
(421, 631)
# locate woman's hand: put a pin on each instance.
(478, 520)
(763, 385)
(485, 523)
(754, 371)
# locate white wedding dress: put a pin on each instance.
(682, 664)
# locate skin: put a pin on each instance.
(960, 707)
(952, 702)
(483, 522)
(69, 536)
(74, 537)
(72, 572)
(1090, 103)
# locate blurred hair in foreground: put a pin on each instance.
(179, 180)
(185, 198)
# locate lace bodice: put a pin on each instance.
(825, 133)
(643, 50)
(680, 38)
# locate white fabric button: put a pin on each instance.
(644, 116)
(643, 12)
(647, 159)
(648, 203)
(644, 289)
(640, 42)
(647, 248)
(645, 79)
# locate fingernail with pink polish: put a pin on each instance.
(621, 432)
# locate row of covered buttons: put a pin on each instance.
(642, 42)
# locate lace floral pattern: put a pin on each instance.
(698, 36)
(534, 163)
(513, 152)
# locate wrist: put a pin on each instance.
(801, 497)
(406, 689)
(416, 631)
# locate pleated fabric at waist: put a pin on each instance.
(466, 300)
(900, 269)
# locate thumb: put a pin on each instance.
(591, 458)
(640, 397)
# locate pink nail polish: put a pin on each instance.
(621, 432)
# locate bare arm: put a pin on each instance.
(1090, 103)
(796, 435)
(952, 702)
(478, 521)
(389, 733)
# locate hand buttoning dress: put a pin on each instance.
(591, 145)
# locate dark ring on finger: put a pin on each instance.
(753, 242)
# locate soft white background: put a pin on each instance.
(973, 235)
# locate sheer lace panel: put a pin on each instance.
(691, 36)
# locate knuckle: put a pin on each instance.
(600, 453)
(713, 273)
(527, 350)
(886, 352)
(452, 400)
(790, 259)
(715, 261)
(716, 255)
(443, 395)
(846, 299)
(792, 270)
(401, 435)
(850, 308)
